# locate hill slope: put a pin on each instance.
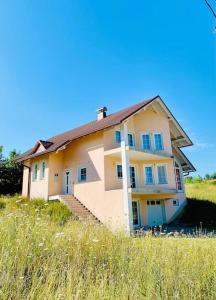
(46, 254)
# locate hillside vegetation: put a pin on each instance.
(201, 208)
(46, 254)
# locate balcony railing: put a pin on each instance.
(139, 154)
(152, 190)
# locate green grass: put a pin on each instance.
(47, 254)
(201, 208)
(205, 190)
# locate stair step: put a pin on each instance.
(79, 209)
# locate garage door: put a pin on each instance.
(155, 214)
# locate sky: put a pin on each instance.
(61, 60)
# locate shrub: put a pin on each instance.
(58, 212)
(2, 204)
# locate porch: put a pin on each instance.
(153, 210)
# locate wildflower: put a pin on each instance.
(40, 244)
(95, 240)
(59, 234)
(21, 277)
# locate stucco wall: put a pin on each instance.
(146, 121)
(39, 187)
(171, 211)
(102, 192)
(25, 182)
(112, 181)
(55, 173)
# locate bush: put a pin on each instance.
(58, 212)
(2, 204)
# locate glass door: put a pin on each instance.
(132, 177)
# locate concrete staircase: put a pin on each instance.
(78, 209)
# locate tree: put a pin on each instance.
(10, 174)
(213, 176)
(207, 177)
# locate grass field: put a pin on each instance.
(46, 254)
(205, 190)
(201, 206)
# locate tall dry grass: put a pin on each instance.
(47, 255)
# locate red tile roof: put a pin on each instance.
(61, 139)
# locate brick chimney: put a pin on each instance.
(101, 113)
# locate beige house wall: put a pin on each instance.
(102, 192)
(113, 182)
(55, 173)
(25, 182)
(146, 121)
(39, 187)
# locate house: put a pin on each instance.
(126, 168)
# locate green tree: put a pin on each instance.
(10, 174)
(213, 176)
(207, 177)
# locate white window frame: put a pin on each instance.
(165, 166)
(181, 177)
(116, 170)
(35, 178)
(133, 138)
(141, 140)
(136, 175)
(153, 175)
(138, 213)
(162, 141)
(118, 130)
(79, 174)
(42, 176)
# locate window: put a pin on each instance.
(149, 175)
(178, 177)
(146, 143)
(118, 136)
(162, 177)
(132, 177)
(135, 210)
(43, 168)
(158, 141)
(175, 202)
(130, 140)
(82, 174)
(35, 172)
(119, 171)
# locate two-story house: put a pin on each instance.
(126, 168)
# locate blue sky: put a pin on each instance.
(61, 60)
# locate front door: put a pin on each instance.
(136, 213)
(155, 213)
(132, 177)
(67, 182)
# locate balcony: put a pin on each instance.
(154, 190)
(138, 154)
